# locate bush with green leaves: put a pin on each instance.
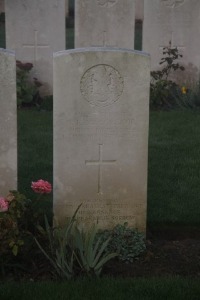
(19, 220)
(163, 90)
(13, 224)
(127, 242)
(27, 90)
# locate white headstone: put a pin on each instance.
(104, 23)
(173, 23)
(101, 107)
(8, 122)
(36, 29)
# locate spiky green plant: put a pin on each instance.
(90, 251)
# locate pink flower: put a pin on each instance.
(41, 187)
(3, 204)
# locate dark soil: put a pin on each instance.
(169, 252)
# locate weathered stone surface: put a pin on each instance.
(105, 23)
(139, 9)
(101, 106)
(36, 29)
(8, 123)
(173, 23)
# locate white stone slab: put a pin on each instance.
(101, 107)
(104, 23)
(175, 22)
(36, 29)
(8, 123)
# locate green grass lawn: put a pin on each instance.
(104, 289)
(35, 152)
(173, 170)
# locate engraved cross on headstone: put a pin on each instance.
(104, 42)
(172, 44)
(35, 46)
(100, 162)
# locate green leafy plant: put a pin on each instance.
(27, 90)
(19, 219)
(90, 250)
(163, 90)
(124, 240)
(13, 223)
(60, 253)
(72, 251)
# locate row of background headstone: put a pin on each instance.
(2, 7)
(139, 8)
(165, 23)
(35, 29)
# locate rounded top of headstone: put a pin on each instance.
(100, 49)
(7, 51)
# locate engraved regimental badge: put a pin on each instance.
(101, 85)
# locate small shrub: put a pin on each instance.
(27, 90)
(163, 91)
(124, 240)
(19, 220)
(13, 223)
